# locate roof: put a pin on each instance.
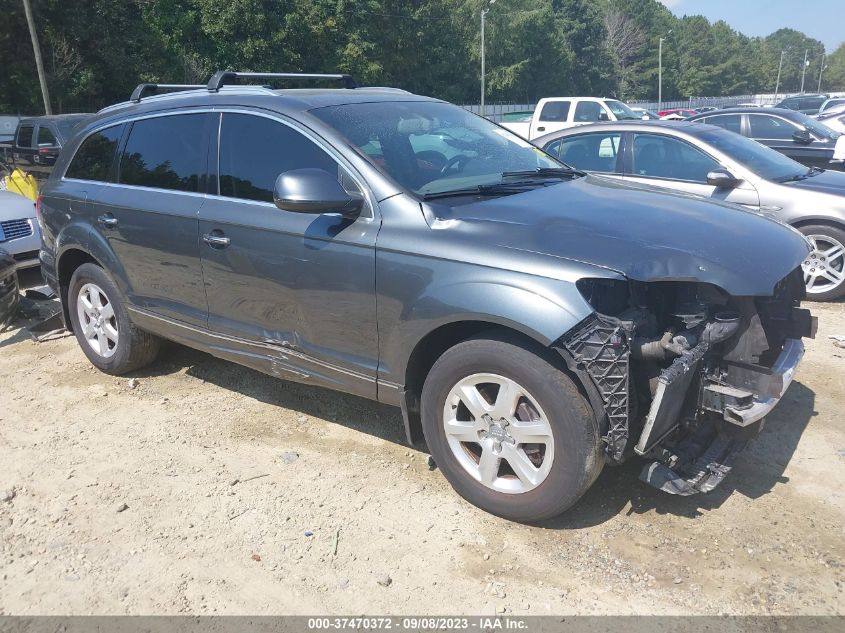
(784, 112)
(684, 127)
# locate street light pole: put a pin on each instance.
(660, 72)
(484, 11)
(804, 70)
(821, 70)
(777, 85)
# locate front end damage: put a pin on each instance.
(684, 372)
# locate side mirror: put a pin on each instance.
(722, 179)
(315, 191)
(802, 136)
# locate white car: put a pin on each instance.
(20, 234)
(558, 113)
(834, 117)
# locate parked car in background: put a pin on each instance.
(709, 161)
(797, 135)
(38, 141)
(806, 104)
(20, 234)
(831, 104)
(518, 311)
(681, 112)
(9, 293)
(834, 118)
(700, 109)
(558, 113)
(645, 115)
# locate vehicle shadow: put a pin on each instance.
(758, 469)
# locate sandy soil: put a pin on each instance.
(204, 487)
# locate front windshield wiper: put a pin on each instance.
(546, 172)
(813, 171)
(496, 189)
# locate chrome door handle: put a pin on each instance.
(215, 241)
(108, 221)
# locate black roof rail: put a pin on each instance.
(145, 89)
(223, 77)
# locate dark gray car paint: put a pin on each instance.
(344, 304)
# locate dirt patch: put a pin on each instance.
(244, 494)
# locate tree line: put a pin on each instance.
(96, 51)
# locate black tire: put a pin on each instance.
(835, 233)
(577, 454)
(135, 348)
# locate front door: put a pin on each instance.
(665, 161)
(300, 284)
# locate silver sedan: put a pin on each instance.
(709, 161)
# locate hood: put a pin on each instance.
(832, 182)
(646, 234)
(14, 206)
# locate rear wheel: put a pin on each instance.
(824, 267)
(102, 326)
(509, 429)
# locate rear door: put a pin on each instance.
(665, 161)
(553, 116)
(303, 284)
(150, 216)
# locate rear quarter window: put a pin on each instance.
(94, 158)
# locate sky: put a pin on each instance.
(821, 19)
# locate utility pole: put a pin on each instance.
(777, 85)
(39, 63)
(804, 70)
(660, 72)
(821, 70)
(484, 11)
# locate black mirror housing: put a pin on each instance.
(722, 179)
(315, 191)
(802, 136)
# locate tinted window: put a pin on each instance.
(166, 152)
(555, 111)
(812, 103)
(792, 104)
(762, 160)
(553, 148)
(591, 152)
(25, 136)
(46, 136)
(732, 122)
(769, 127)
(587, 111)
(255, 150)
(94, 158)
(665, 157)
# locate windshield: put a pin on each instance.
(622, 111)
(762, 160)
(430, 147)
(819, 129)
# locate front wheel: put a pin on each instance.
(509, 430)
(824, 267)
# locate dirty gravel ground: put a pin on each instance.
(203, 454)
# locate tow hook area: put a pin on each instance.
(687, 475)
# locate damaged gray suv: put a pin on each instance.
(532, 322)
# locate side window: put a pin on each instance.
(658, 156)
(769, 127)
(46, 137)
(587, 111)
(732, 122)
(165, 152)
(553, 148)
(811, 103)
(254, 150)
(25, 136)
(555, 112)
(591, 152)
(94, 158)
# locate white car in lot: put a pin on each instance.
(834, 118)
(20, 234)
(558, 113)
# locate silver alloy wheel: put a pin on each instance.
(498, 433)
(824, 267)
(97, 320)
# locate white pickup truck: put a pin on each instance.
(557, 113)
